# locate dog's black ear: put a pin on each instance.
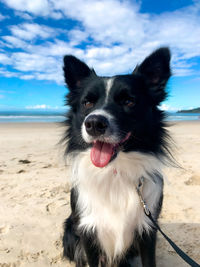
(156, 71)
(75, 71)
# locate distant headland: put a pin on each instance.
(194, 110)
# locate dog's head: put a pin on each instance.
(117, 113)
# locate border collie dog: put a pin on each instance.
(116, 140)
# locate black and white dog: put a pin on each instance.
(116, 139)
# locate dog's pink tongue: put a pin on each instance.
(101, 153)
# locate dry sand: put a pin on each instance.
(34, 196)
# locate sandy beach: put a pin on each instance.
(34, 196)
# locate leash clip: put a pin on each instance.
(144, 205)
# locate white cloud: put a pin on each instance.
(56, 76)
(14, 42)
(33, 62)
(77, 36)
(110, 22)
(106, 21)
(29, 31)
(57, 48)
(23, 15)
(39, 67)
(4, 59)
(2, 17)
(43, 106)
(166, 107)
(117, 37)
(27, 77)
(8, 74)
(181, 30)
(36, 7)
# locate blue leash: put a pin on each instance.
(179, 251)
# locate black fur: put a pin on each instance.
(73, 249)
(145, 90)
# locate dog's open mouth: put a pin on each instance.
(102, 152)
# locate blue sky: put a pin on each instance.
(112, 36)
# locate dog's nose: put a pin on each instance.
(96, 125)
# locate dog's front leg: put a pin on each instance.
(131, 258)
(148, 249)
(92, 249)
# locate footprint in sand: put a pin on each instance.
(24, 161)
(193, 180)
(21, 171)
(47, 166)
(51, 207)
(4, 229)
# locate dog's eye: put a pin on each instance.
(129, 102)
(88, 104)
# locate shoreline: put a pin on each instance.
(58, 122)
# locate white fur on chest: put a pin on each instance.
(108, 202)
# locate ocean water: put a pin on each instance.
(183, 117)
(30, 117)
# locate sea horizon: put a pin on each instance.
(59, 116)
